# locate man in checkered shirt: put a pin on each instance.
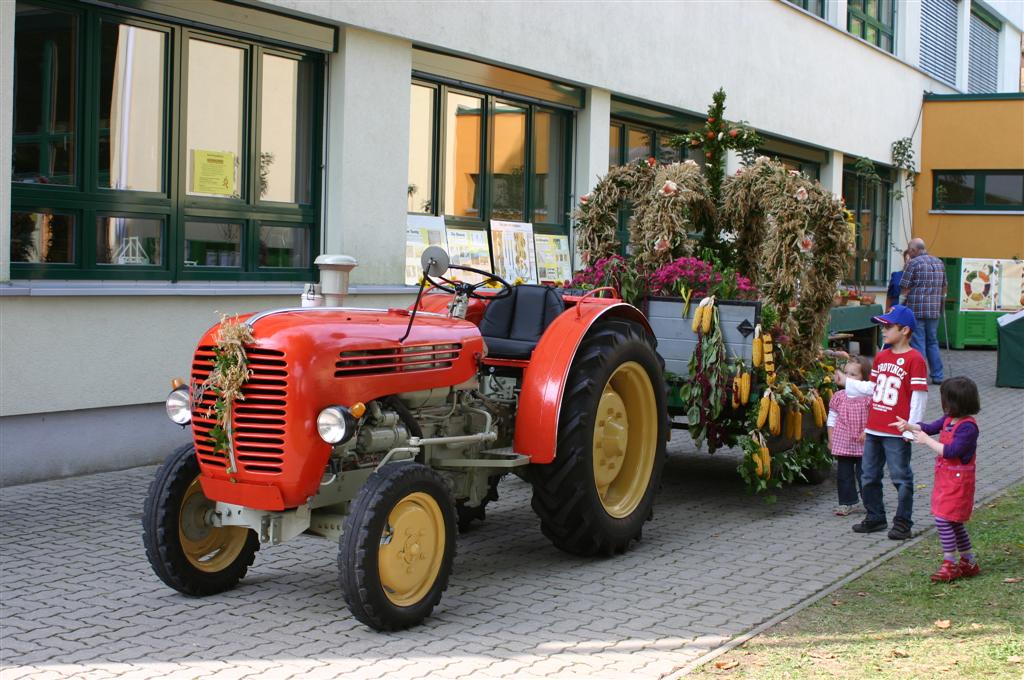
(924, 284)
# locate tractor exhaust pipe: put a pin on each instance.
(334, 271)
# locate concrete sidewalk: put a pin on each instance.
(78, 599)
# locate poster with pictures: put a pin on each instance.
(468, 247)
(421, 231)
(1010, 288)
(552, 258)
(514, 256)
(977, 285)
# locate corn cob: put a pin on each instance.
(757, 348)
(774, 418)
(797, 392)
(735, 392)
(745, 388)
(798, 425)
(764, 409)
(709, 314)
(758, 466)
(767, 461)
(820, 413)
(698, 312)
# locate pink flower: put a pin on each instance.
(662, 245)
(651, 161)
(794, 173)
(584, 199)
(669, 188)
(801, 194)
(690, 162)
(806, 244)
(585, 256)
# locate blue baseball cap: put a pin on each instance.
(901, 315)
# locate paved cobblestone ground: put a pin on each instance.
(79, 599)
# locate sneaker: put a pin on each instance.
(844, 510)
(899, 531)
(868, 526)
(968, 569)
(949, 571)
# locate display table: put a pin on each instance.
(853, 322)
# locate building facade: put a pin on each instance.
(163, 162)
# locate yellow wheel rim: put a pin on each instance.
(206, 547)
(625, 439)
(411, 549)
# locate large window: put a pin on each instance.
(816, 7)
(868, 199)
(474, 157)
(148, 150)
(983, 53)
(986, 190)
(873, 20)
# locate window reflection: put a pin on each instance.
(135, 241)
(216, 75)
(508, 166)
(285, 141)
(614, 146)
(548, 164)
(462, 155)
(131, 125)
(1004, 190)
(284, 246)
(954, 189)
(45, 74)
(213, 244)
(639, 142)
(421, 149)
(42, 237)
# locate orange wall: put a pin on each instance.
(969, 135)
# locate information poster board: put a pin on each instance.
(213, 172)
(421, 231)
(1010, 286)
(513, 248)
(469, 248)
(977, 285)
(552, 257)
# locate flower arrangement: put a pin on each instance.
(614, 271)
(700, 278)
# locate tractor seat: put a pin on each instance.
(512, 326)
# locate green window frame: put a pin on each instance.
(976, 183)
(88, 199)
(431, 202)
(870, 203)
(873, 21)
(815, 7)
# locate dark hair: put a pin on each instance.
(865, 363)
(959, 397)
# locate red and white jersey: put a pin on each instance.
(895, 377)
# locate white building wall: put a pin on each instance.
(787, 73)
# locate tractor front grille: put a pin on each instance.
(258, 420)
(396, 360)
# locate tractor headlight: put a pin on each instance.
(335, 424)
(179, 406)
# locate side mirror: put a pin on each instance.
(435, 261)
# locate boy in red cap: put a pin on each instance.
(898, 389)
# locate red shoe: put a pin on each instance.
(968, 569)
(949, 571)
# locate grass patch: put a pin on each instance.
(892, 622)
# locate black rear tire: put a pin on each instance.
(370, 543)
(167, 530)
(566, 495)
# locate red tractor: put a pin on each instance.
(388, 430)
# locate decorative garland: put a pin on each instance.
(597, 218)
(792, 240)
(230, 371)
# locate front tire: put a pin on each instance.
(184, 549)
(595, 497)
(397, 546)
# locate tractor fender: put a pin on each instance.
(540, 398)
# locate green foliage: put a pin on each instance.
(865, 169)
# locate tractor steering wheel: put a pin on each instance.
(470, 289)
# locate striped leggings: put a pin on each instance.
(953, 536)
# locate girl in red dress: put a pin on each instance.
(953, 494)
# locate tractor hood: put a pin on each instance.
(341, 356)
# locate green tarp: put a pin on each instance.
(1010, 354)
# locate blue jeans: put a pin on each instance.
(894, 452)
(926, 341)
(848, 476)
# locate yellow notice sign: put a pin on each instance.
(213, 172)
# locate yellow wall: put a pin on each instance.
(969, 135)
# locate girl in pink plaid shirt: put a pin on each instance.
(847, 418)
